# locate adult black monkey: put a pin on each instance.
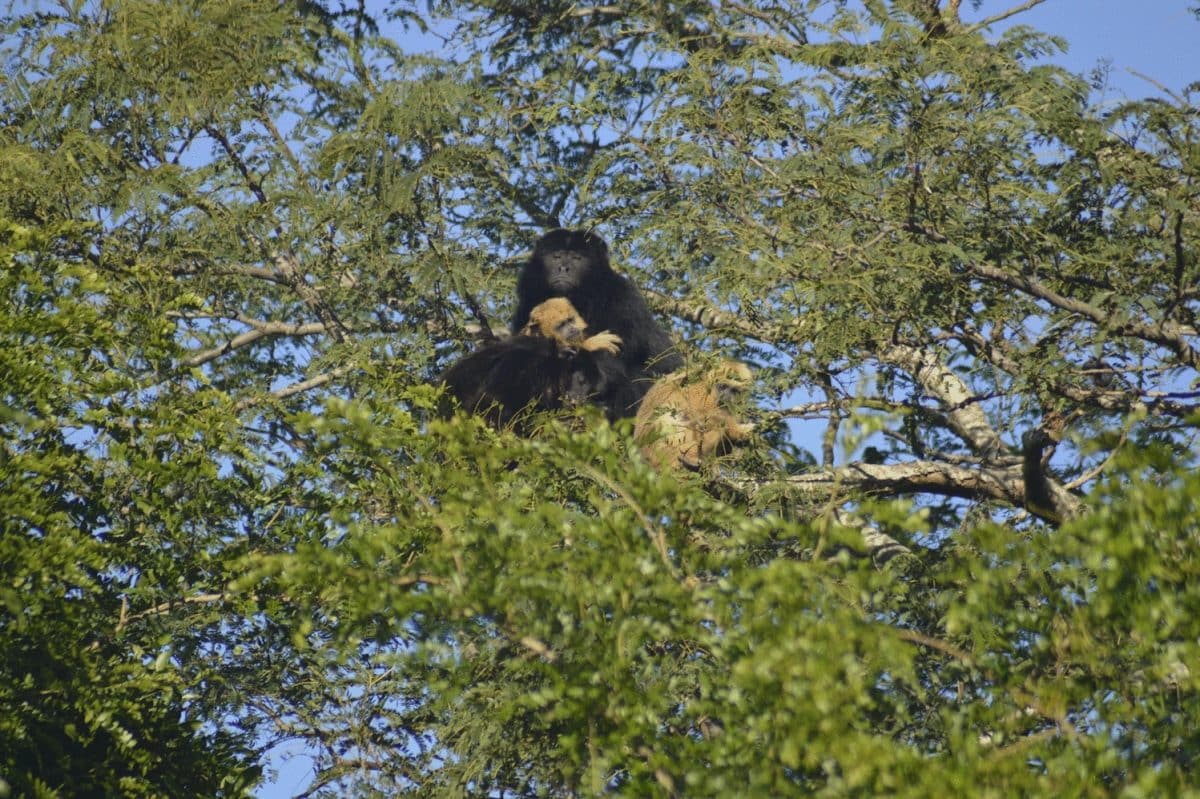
(574, 264)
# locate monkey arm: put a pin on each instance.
(606, 342)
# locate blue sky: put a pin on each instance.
(1156, 38)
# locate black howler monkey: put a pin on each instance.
(574, 264)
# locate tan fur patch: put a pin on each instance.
(557, 319)
(682, 421)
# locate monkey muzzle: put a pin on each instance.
(564, 270)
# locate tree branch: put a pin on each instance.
(704, 315)
(881, 547)
(1012, 12)
(259, 330)
(252, 180)
(1002, 358)
(1166, 334)
(289, 267)
(294, 388)
(165, 607)
(1004, 485)
(247, 270)
(913, 477)
(962, 410)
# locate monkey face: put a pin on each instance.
(731, 379)
(566, 269)
(585, 381)
(569, 257)
(578, 388)
(557, 318)
(570, 330)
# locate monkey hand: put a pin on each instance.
(606, 342)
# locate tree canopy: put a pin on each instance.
(240, 240)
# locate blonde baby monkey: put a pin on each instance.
(683, 419)
(557, 319)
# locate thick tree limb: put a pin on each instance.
(881, 547)
(1003, 485)
(913, 477)
(704, 315)
(962, 410)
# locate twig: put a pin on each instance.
(281, 142)
(1012, 12)
(165, 607)
(1166, 334)
(1092, 474)
(289, 267)
(259, 330)
(964, 657)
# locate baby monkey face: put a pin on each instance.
(557, 319)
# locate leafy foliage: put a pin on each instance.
(241, 239)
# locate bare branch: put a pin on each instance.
(1004, 485)
(1012, 12)
(259, 330)
(165, 607)
(289, 267)
(247, 270)
(1166, 334)
(963, 412)
(608, 11)
(809, 410)
(913, 477)
(1098, 469)
(294, 388)
(312, 382)
(704, 315)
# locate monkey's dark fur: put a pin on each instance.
(574, 264)
(1039, 498)
(539, 370)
